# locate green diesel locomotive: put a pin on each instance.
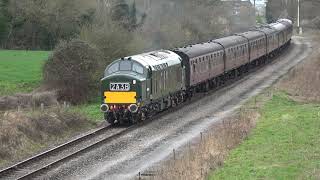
(136, 87)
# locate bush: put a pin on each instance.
(74, 69)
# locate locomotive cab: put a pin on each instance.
(123, 91)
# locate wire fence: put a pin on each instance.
(41, 107)
(176, 156)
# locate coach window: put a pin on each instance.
(194, 68)
(260, 42)
(161, 81)
(156, 85)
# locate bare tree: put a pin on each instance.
(39, 24)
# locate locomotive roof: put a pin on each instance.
(231, 41)
(155, 58)
(200, 49)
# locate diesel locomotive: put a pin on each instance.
(137, 87)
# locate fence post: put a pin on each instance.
(139, 175)
(42, 107)
(64, 104)
(174, 154)
(255, 102)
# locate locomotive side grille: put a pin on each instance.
(120, 97)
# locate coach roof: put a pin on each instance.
(201, 49)
(231, 41)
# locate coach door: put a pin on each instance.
(149, 84)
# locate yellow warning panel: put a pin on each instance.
(120, 97)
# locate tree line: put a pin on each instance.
(41, 24)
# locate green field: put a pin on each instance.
(285, 144)
(20, 71)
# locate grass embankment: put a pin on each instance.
(20, 71)
(25, 133)
(285, 144)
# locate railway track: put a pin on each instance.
(48, 160)
(37, 165)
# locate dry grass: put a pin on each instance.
(200, 159)
(303, 82)
(22, 134)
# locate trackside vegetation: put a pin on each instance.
(285, 144)
(20, 70)
(91, 111)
